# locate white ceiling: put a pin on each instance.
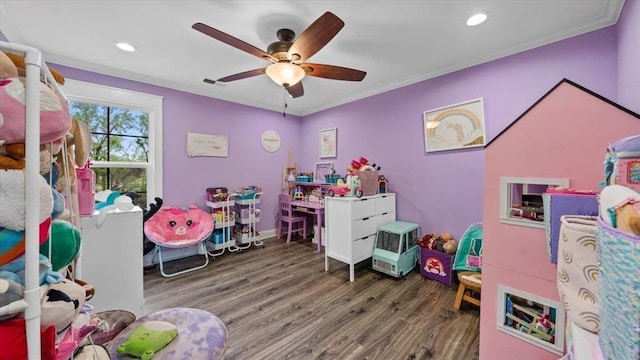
(396, 42)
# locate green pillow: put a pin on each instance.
(469, 246)
(148, 338)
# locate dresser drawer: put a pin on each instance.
(362, 208)
(385, 203)
(385, 218)
(363, 248)
(364, 227)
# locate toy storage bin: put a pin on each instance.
(369, 182)
(558, 204)
(436, 265)
(619, 256)
(332, 179)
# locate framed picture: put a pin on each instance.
(534, 319)
(328, 143)
(322, 169)
(458, 126)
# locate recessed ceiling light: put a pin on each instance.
(125, 46)
(476, 19)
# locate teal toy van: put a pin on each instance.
(396, 248)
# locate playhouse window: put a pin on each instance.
(521, 199)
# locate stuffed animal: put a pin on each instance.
(15, 271)
(65, 244)
(19, 63)
(148, 338)
(11, 295)
(60, 305)
(450, 247)
(55, 120)
(12, 156)
(620, 208)
(12, 204)
(7, 68)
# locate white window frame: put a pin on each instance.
(79, 91)
(506, 184)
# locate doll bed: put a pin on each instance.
(173, 227)
(201, 335)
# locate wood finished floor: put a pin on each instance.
(278, 303)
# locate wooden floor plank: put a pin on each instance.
(278, 303)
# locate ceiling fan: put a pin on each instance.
(288, 56)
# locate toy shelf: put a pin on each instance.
(248, 201)
(221, 204)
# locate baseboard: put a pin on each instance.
(265, 234)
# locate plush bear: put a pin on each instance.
(148, 338)
(450, 247)
(12, 156)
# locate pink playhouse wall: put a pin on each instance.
(563, 136)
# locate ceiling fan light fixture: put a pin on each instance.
(285, 74)
(476, 19)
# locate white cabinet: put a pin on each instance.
(351, 224)
(111, 260)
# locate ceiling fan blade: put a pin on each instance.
(315, 37)
(230, 40)
(242, 75)
(333, 72)
(295, 90)
(209, 81)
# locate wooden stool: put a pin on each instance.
(470, 285)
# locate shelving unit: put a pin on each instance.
(35, 67)
(323, 186)
(247, 215)
(224, 225)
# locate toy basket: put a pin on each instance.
(110, 323)
(578, 285)
(619, 255)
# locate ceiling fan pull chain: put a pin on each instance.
(284, 100)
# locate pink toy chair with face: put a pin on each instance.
(173, 227)
(295, 224)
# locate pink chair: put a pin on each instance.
(296, 224)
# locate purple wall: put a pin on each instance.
(440, 191)
(443, 191)
(628, 30)
(185, 179)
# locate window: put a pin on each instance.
(126, 130)
(521, 199)
(388, 241)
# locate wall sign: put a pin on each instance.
(207, 145)
(270, 141)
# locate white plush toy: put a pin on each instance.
(12, 200)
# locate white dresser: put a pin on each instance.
(351, 224)
(111, 260)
